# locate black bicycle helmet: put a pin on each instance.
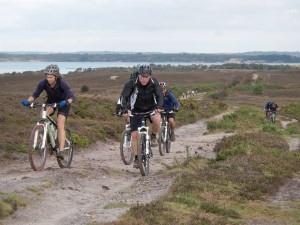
(145, 69)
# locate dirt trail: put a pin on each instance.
(98, 187)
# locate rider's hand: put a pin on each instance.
(118, 110)
(63, 104)
(25, 102)
(158, 110)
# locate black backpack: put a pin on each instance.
(134, 75)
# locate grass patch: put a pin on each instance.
(293, 129)
(292, 110)
(9, 203)
(116, 205)
(243, 119)
(193, 110)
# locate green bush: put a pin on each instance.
(258, 89)
(84, 88)
(80, 140)
(292, 110)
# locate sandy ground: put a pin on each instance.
(98, 187)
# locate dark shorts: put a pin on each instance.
(136, 121)
(64, 111)
(171, 115)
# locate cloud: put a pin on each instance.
(169, 25)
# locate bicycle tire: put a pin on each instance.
(126, 151)
(168, 140)
(273, 118)
(161, 141)
(143, 159)
(36, 154)
(67, 152)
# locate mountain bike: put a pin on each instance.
(271, 116)
(44, 140)
(144, 144)
(164, 139)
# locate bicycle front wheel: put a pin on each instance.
(67, 154)
(38, 148)
(168, 140)
(143, 159)
(125, 148)
(162, 141)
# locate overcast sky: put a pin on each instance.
(206, 26)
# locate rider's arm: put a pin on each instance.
(125, 94)
(159, 95)
(37, 91)
(174, 100)
(66, 88)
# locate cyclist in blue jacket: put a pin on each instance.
(58, 91)
(170, 104)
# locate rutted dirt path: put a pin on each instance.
(98, 187)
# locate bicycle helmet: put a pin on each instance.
(52, 69)
(163, 84)
(145, 69)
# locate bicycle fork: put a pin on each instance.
(36, 134)
(145, 130)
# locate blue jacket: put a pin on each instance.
(170, 101)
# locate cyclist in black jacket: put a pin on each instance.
(139, 96)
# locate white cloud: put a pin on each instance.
(149, 25)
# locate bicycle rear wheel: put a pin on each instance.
(67, 154)
(38, 149)
(162, 141)
(143, 159)
(125, 148)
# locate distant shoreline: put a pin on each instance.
(20, 67)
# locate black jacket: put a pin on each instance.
(139, 98)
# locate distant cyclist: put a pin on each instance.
(58, 91)
(270, 106)
(170, 104)
(140, 96)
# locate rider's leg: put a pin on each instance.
(61, 119)
(134, 137)
(135, 122)
(172, 127)
(156, 119)
(172, 123)
(50, 111)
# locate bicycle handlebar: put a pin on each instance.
(144, 114)
(166, 113)
(37, 105)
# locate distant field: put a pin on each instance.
(92, 113)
